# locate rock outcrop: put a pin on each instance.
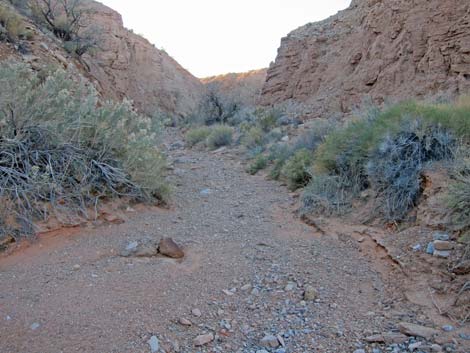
(377, 50)
(127, 65)
(124, 65)
(244, 88)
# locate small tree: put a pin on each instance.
(67, 19)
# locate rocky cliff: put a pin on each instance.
(376, 49)
(127, 65)
(124, 65)
(240, 87)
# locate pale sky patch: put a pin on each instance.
(210, 37)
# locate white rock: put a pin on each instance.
(196, 312)
(269, 341)
(202, 340)
(154, 344)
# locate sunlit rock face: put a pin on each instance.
(379, 50)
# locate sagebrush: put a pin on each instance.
(62, 151)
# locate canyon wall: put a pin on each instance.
(376, 50)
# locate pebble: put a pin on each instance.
(185, 322)
(430, 249)
(441, 236)
(448, 328)
(443, 254)
(196, 312)
(269, 341)
(169, 248)
(35, 326)
(202, 340)
(246, 287)
(205, 192)
(154, 344)
(262, 351)
(359, 351)
(76, 267)
(416, 330)
(464, 336)
(443, 245)
(289, 287)
(417, 247)
(310, 293)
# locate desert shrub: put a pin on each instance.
(197, 135)
(459, 192)
(347, 148)
(221, 135)
(62, 152)
(253, 137)
(395, 167)
(259, 163)
(215, 108)
(13, 25)
(267, 119)
(296, 170)
(69, 21)
(326, 194)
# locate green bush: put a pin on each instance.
(459, 192)
(221, 135)
(259, 163)
(197, 135)
(347, 149)
(395, 168)
(63, 151)
(253, 137)
(13, 24)
(326, 194)
(296, 170)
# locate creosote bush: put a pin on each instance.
(62, 152)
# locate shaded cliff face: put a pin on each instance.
(379, 49)
(124, 66)
(127, 65)
(240, 87)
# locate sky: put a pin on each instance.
(212, 37)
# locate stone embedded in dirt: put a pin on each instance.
(430, 249)
(436, 348)
(246, 287)
(441, 236)
(185, 322)
(35, 326)
(310, 293)
(141, 248)
(169, 248)
(228, 292)
(196, 312)
(388, 338)
(76, 267)
(269, 341)
(154, 344)
(202, 340)
(443, 245)
(448, 328)
(112, 218)
(442, 254)
(410, 329)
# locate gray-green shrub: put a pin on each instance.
(296, 170)
(197, 135)
(221, 135)
(62, 152)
